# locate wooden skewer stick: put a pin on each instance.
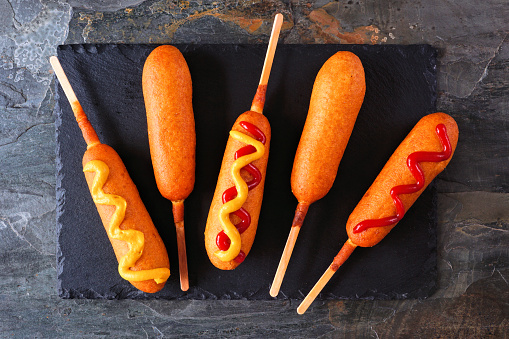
(300, 215)
(64, 82)
(271, 49)
(86, 128)
(343, 254)
(259, 99)
(315, 290)
(283, 263)
(178, 217)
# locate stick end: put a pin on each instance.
(278, 18)
(320, 284)
(184, 283)
(301, 310)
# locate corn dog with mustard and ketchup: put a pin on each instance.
(235, 208)
(337, 96)
(139, 249)
(421, 156)
(167, 90)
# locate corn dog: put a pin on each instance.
(421, 156)
(239, 189)
(167, 90)
(141, 253)
(337, 96)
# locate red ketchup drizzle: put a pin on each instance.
(222, 240)
(413, 161)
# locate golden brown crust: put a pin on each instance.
(377, 202)
(86, 128)
(337, 97)
(300, 214)
(254, 200)
(259, 99)
(167, 90)
(136, 216)
(343, 255)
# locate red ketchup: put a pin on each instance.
(413, 161)
(222, 240)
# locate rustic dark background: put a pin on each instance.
(472, 40)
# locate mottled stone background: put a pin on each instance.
(472, 39)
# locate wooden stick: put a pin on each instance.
(271, 49)
(178, 217)
(315, 290)
(339, 259)
(298, 220)
(86, 128)
(283, 263)
(259, 98)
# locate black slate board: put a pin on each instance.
(401, 88)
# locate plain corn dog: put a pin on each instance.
(167, 90)
(337, 96)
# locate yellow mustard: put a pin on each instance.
(135, 239)
(235, 204)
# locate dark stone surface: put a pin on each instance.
(473, 258)
(395, 269)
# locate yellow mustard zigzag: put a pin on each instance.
(235, 204)
(135, 239)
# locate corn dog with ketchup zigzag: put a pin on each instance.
(420, 157)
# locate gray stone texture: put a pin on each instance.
(472, 39)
